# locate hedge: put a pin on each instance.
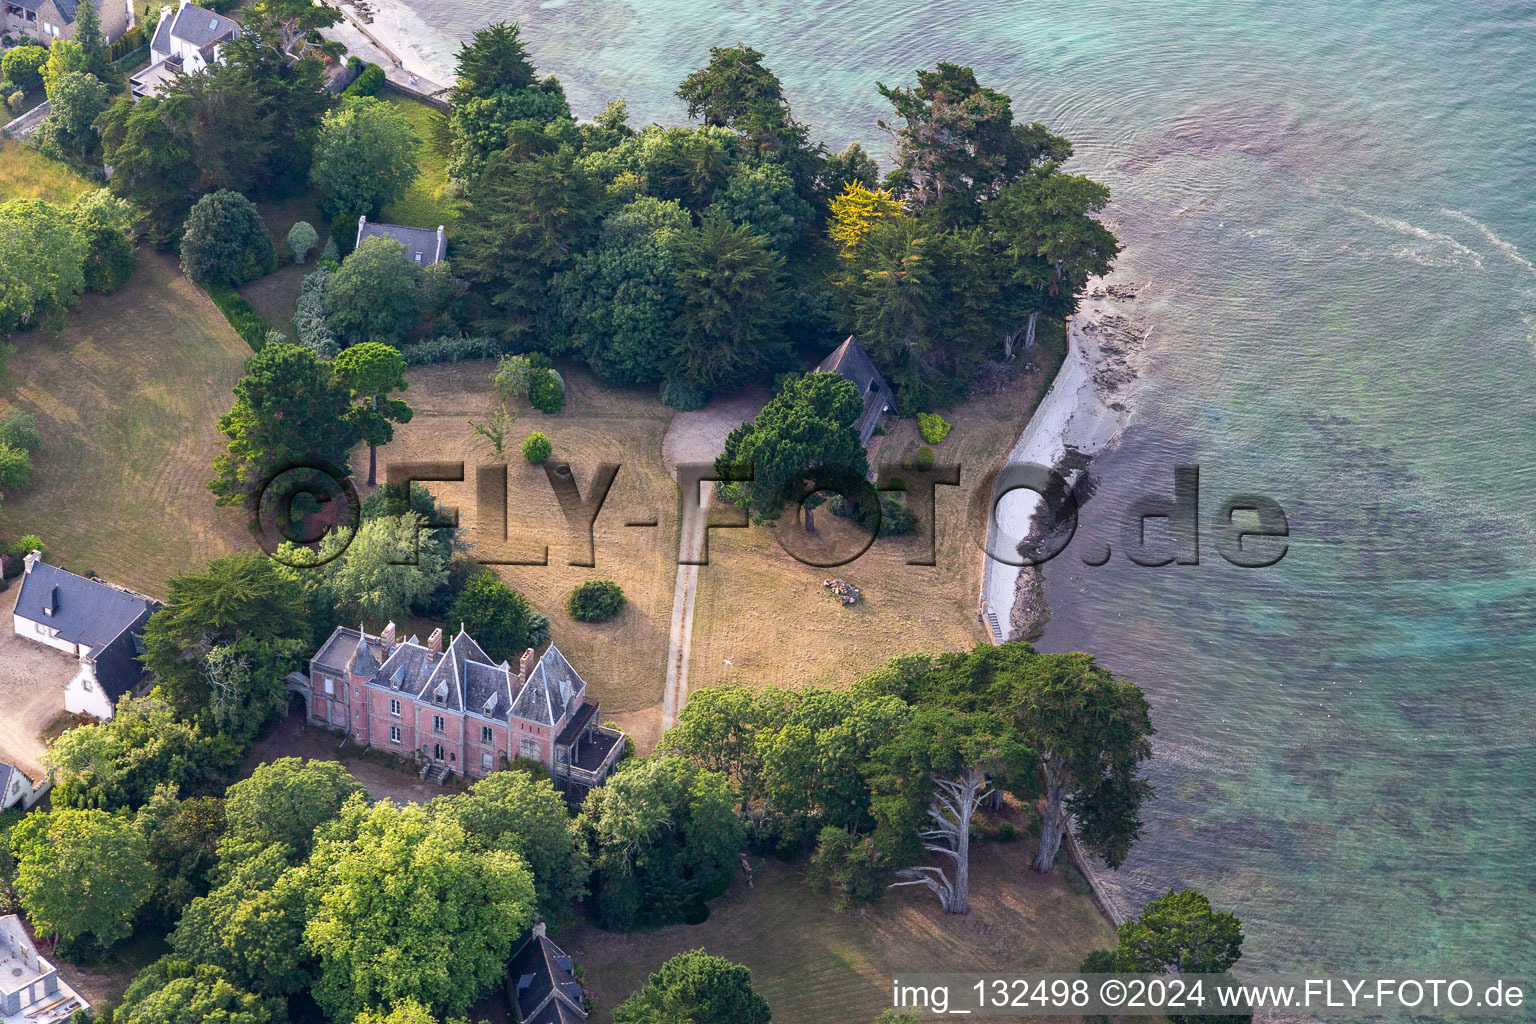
(132, 58)
(127, 43)
(450, 349)
(367, 83)
(242, 316)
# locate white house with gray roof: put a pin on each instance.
(17, 788)
(455, 710)
(97, 622)
(422, 245)
(187, 39)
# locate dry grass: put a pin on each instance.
(27, 174)
(764, 618)
(126, 399)
(816, 965)
(624, 659)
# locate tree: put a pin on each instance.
(1179, 933)
(148, 144)
(517, 813)
(405, 1011)
(497, 616)
(718, 729)
(735, 90)
(65, 57)
(938, 770)
(497, 96)
(728, 330)
(22, 66)
(365, 158)
(696, 988)
(81, 873)
(398, 889)
(957, 143)
(855, 212)
(372, 371)
(92, 42)
(283, 804)
(107, 224)
(808, 426)
(495, 428)
(252, 925)
(301, 239)
(762, 196)
(19, 430)
(225, 241)
(595, 601)
(289, 408)
(42, 262)
(173, 991)
(523, 223)
(618, 302)
(853, 166)
(375, 295)
(663, 838)
(15, 468)
(386, 569)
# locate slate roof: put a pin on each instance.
(195, 25)
(426, 241)
(338, 650)
(82, 611)
(542, 974)
(552, 687)
(5, 780)
(853, 364)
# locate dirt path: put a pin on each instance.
(695, 437)
(32, 678)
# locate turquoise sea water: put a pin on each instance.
(1333, 206)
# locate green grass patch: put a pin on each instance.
(27, 174)
(242, 316)
(428, 202)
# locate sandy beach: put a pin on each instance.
(400, 40)
(1087, 407)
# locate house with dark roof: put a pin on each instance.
(850, 361)
(187, 39)
(456, 711)
(47, 20)
(17, 788)
(422, 245)
(97, 622)
(541, 984)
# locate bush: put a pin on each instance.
(934, 428)
(681, 395)
(896, 519)
(31, 542)
(367, 83)
(22, 67)
(546, 391)
(538, 628)
(225, 242)
(309, 317)
(343, 233)
(451, 349)
(19, 430)
(302, 237)
(595, 601)
(242, 316)
(15, 101)
(924, 459)
(536, 448)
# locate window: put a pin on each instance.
(485, 760)
(86, 682)
(485, 734)
(394, 707)
(394, 734)
(437, 723)
(528, 749)
(437, 751)
(330, 687)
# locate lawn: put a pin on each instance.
(428, 203)
(275, 295)
(814, 964)
(624, 659)
(763, 618)
(27, 174)
(126, 399)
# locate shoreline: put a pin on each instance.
(1087, 406)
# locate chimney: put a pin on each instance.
(525, 665)
(435, 641)
(361, 222)
(539, 930)
(442, 242)
(33, 557)
(387, 638)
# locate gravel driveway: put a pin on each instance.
(32, 679)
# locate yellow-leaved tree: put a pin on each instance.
(856, 211)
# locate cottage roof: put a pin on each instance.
(422, 245)
(539, 971)
(5, 780)
(853, 364)
(199, 26)
(83, 611)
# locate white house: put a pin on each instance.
(17, 788)
(31, 991)
(101, 624)
(187, 40)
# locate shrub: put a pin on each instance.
(536, 448)
(242, 316)
(367, 83)
(19, 430)
(23, 67)
(15, 101)
(538, 628)
(451, 349)
(595, 601)
(924, 459)
(31, 542)
(301, 239)
(309, 317)
(679, 394)
(331, 253)
(934, 428)
(896, 519)
(225, 242)
(546, 391)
